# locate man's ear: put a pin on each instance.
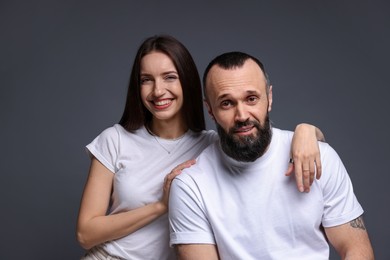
(270, 98)
(209, 109)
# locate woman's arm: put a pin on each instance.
(95, 227)
(305, 154)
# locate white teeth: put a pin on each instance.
(162, 102)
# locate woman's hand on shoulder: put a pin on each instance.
(305, 159)
(169, 178)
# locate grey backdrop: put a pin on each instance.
(64, 68)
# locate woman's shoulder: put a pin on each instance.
(114, 132)
(111, 132)
(204, 137)
(118, 130)
(211, 135)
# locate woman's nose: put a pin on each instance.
(158, 88)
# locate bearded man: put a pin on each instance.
(236, 203)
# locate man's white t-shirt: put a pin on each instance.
(253, 211)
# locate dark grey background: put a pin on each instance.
(64, 69)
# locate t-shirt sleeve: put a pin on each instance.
(187, 218)
(340, 202)
(105, 148)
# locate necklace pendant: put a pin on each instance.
(177, 142)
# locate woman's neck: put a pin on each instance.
(168, 129)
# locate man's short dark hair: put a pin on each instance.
(231, 60)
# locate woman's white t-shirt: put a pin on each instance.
(140, 162)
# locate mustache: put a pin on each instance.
(238, 125)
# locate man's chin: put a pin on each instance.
(244, 138)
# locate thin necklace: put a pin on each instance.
(177, 140)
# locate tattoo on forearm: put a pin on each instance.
(358, 223)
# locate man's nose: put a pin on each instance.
(242, 114)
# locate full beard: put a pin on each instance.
(249, 147)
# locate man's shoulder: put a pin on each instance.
(282, 132)
(207, 158)
(282, 136)
(285, 136)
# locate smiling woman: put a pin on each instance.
(162, 95)
(125, 200)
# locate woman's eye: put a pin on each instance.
(171, 77)
(145, 80)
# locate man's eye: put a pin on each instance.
(226, 103)
(252, 99)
